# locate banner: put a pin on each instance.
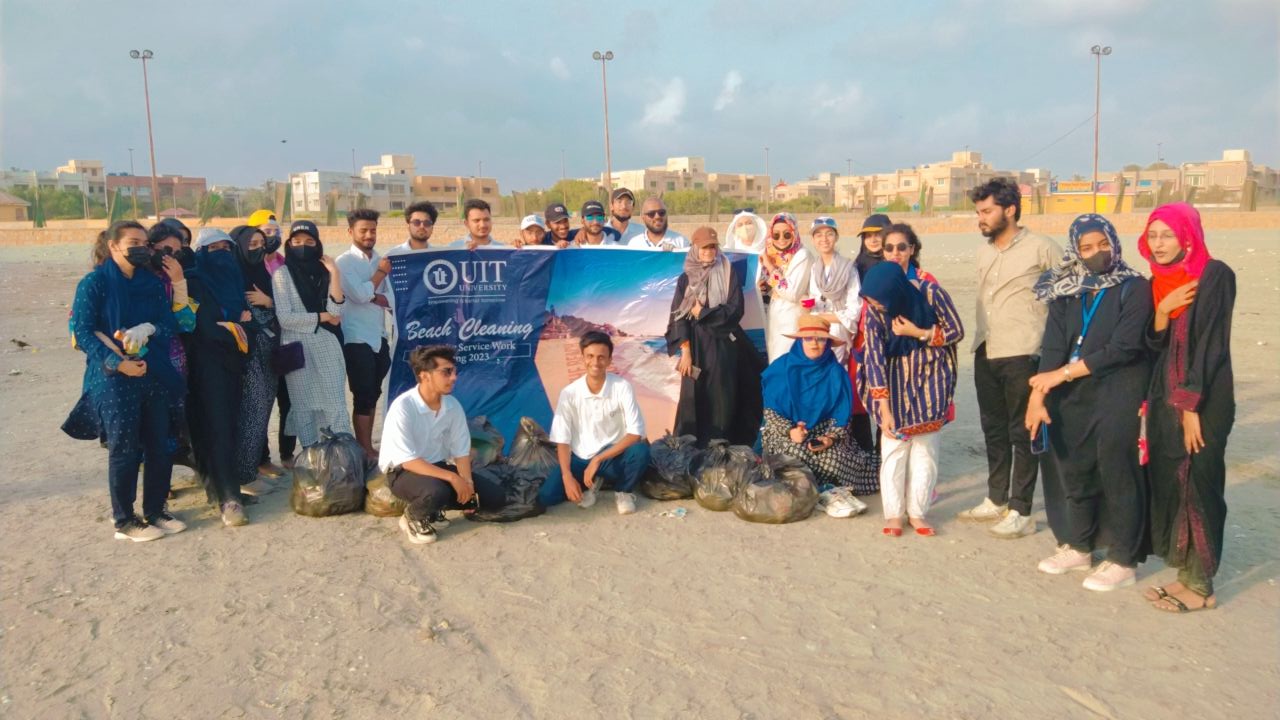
(514, 319)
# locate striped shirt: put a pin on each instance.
(920, 386)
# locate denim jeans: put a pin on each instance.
(622, 473)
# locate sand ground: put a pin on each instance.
(581, 613)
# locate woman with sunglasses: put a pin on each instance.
(902, 246)
(784, 282)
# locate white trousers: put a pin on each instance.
(908, 471)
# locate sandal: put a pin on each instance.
(1181, 608)
(892, 532)
(1159, 592)
(925, 531)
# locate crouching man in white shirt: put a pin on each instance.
(426, 449)
(599, 434)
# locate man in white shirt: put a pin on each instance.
(364, 336)
(426, 449)
(594, 232)
(621, 204)
(599, 434)
(421, 218)
(656, 235)
(479, 220)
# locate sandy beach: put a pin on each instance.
(585, 614)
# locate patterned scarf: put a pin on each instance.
(1070, 277)
(777, 278)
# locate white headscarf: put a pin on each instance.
(756, 246)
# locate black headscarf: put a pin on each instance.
(866, 259)
(255, 273)
(311, 280)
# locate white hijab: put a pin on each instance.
(757, 240)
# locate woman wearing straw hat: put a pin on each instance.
(808, 401)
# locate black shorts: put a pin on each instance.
(365, 371)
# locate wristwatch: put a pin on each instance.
(1066, 372)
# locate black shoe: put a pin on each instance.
(439, 521)
(420, 533)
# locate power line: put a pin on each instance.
(1032, 156)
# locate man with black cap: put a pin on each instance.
(621, 204)
(593, 231)
(872, 238)
(656, 235)
(557, 217)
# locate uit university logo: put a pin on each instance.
(444, 276)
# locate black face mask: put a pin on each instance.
(186, 257)
(138, 256)
(256, 256)
(273, 243)
(305, 252)
(157, 259)
(1098, 263)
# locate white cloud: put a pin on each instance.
(729, 90)
(668, 106)
(838, 99)
(559, 69)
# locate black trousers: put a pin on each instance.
(428, 496)
(287, 443)
(1003, 392)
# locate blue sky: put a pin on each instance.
(511, 84)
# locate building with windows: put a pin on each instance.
(390, 186)
(689, 173)
(948, 181)
(87, 176)
(175, 190)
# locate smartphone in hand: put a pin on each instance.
(1040, 443)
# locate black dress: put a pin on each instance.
(1193, 372)
(215, 379)
(1095, 490)
(724, 403)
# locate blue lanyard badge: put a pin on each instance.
(1086, 315)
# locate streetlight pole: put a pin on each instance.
(848, 180)
(768, 184)
(133, 185)
(144, 56)
(1098, 51)
(603, 58)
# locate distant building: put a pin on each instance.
(821, 186)
(13, 209)
(949, 180)
(87, 176)
(689, 173)
(1230, 174)
(391, 185)
(174, 189)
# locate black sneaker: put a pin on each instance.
(439, 521)
(420, 533)
(138, 531)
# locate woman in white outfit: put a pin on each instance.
(746, 232)
(784, 281)
(834, 285)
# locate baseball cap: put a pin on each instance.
(556, 211)
(824, 221)
(260, 217)
(304, 226)
(704, 236)
(875, 223)
(592, 207)
(622, 192)
(531, 220)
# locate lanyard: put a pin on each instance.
(1086, 315)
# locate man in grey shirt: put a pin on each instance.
(1006, 352)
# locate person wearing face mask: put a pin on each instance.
(122, 320)
(1087, 398)
(273, 260)
(265, 220)
(719, 367)
(166, 245)
(1190, 404)
(260, 381)
(747, 232)
(217, 351)
(783, 281)
(309, 302)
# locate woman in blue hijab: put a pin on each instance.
(808, 402)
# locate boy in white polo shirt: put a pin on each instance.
(599, 434)
(426, 448)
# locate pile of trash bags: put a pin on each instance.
(328, 478)
(486, 442)
(722, 471)
(533, 449)
(782, 490)
(670, 472)
(520, 487)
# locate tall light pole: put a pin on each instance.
(603, 58)
(144, 56)
(768, 184)
(133, 185)
(848, 180)
(1098, 51)
(479, 168)
(1159, 152)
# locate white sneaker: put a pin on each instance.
(987, 511)
(588, 497)
(625, 501)
(419, 533)
(168, 524)
(1110, 576)
(138, 531)
(1066, 560)
(840, 503)
(1014, 525)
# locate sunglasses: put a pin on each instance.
(897, 247)
(593, 218)
(656, 213)
(421, 223)
(788, 235)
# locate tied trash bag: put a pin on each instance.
(328, 478)
(670, 472)
(723, 471)
(378, 498)
(533, 449)
(486, 442)
(784, 491)
(520, 494)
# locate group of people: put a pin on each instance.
(1118, 387)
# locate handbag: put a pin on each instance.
(287, 358)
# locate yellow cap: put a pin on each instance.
(260, 217)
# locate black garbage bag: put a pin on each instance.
(670, 472)
(378, 498)
(784, 491)
(328, 478)
(520, 494)
(533, 449)
(486, 441)
(723, 470)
